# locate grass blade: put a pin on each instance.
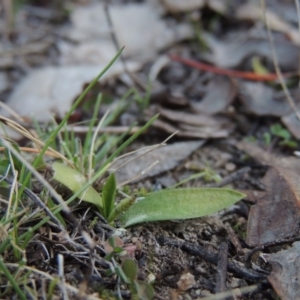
(10, 278)
(108, 195)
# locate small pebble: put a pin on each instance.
(230, 167)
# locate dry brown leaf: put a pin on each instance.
(276, 214)
(285, 272)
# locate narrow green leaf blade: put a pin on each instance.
(109, 194)
(179, 204)
(74, 180)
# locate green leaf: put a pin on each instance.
(144, 290)
(258, 67)
(74, 180)
(179, 204)
(108, 195)
(130, 268)
(279, 131)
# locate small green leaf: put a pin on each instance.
(280, 131)
(144, 290)
(130, 268)
(121, 207)
(258, 67)
(179, 204)
(74, 180)
(108, 195)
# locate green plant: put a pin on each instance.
(278, 131)
(127, 270)
(79, 167)
(162, 205)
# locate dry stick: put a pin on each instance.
(276, 64)
(233, 238)
(33, 150)
(248, 255)
(231, 178)
(212, 258)
(222, 268)
(235, 293)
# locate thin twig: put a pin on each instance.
(231, 178)
(212, 258)
(222, 268)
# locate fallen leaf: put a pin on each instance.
(51, 91)
(177, 6)
(281, 162)
(262, 100)
(231, 53)
(276, 214)
(285, 272)
(254, 12)
(91, 30)
(220, 93)
(168, 157)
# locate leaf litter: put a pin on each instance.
(181, 257)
